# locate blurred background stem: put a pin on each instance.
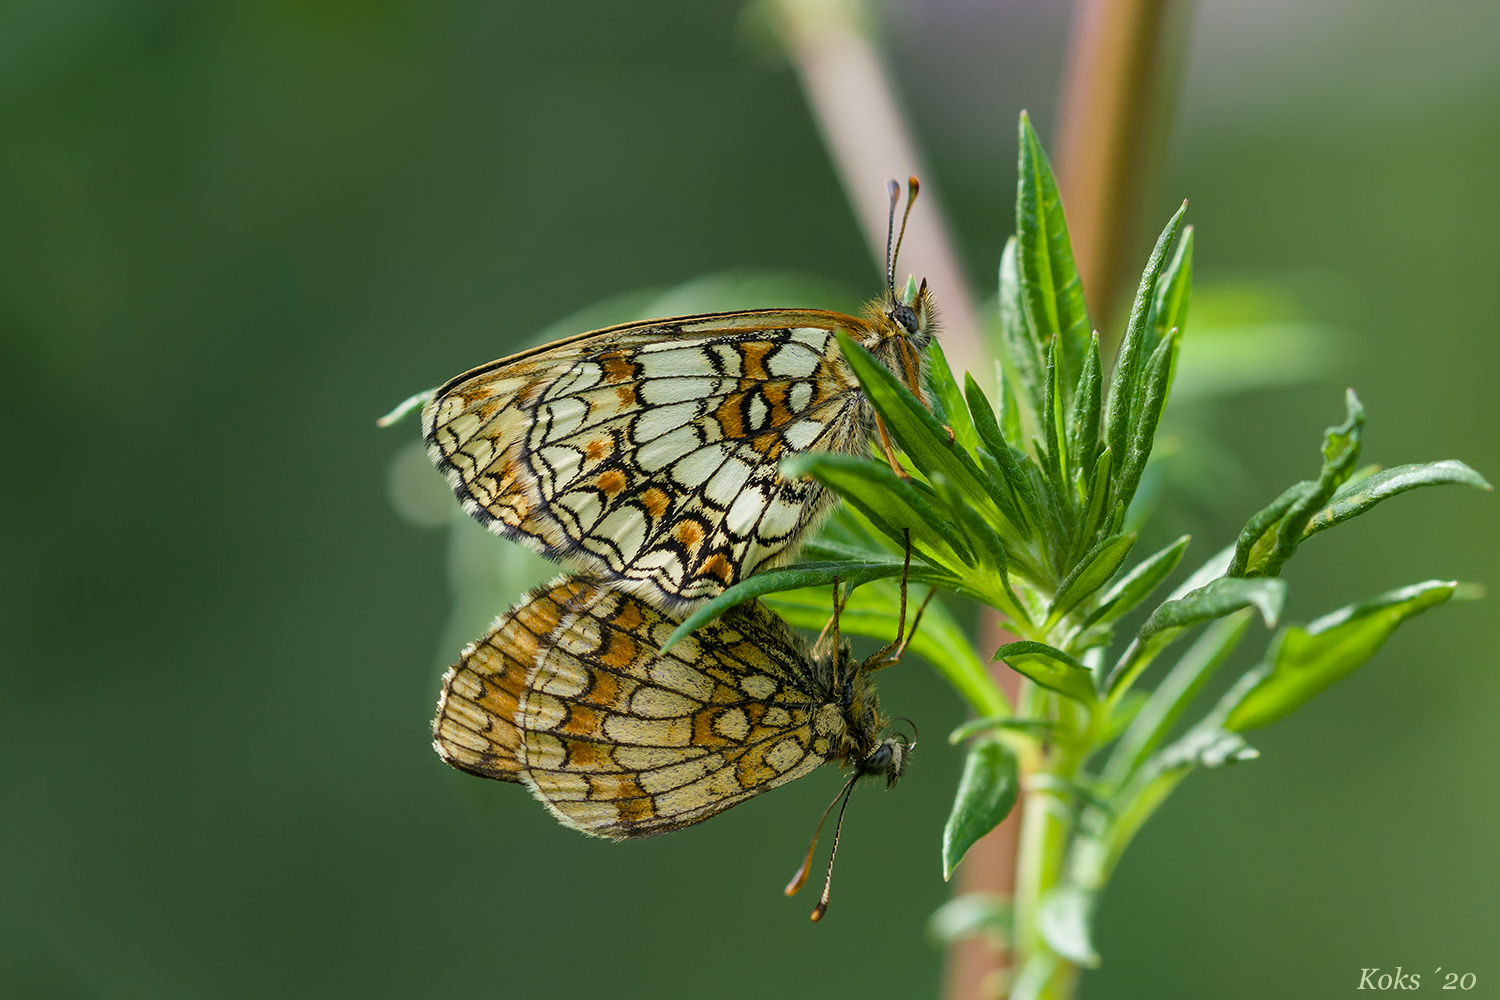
(1118, 89)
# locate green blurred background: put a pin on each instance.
(233, 234)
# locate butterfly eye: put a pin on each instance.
(907, 317)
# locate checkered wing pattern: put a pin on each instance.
(648, 454)
(571, 695)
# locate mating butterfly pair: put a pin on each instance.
(648, 455)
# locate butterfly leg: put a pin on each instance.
(900, 651)
(890, 452)
(885, 650)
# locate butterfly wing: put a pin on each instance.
(621, 740)
(649, 453)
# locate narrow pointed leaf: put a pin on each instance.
(871, 611)
(946, 393)
(920, 435)
(1341, 447)
(1021, 348)
(1124, 383)
(1051, 289)
(1224, 595)
(999, 449)
(986, 794)
(1135, 586)
(1258, 535)
(1156, 384)
(1356, 497)
(1092, 524)
(1218, 598)
(1054, 433)
(1173, 291)
(1088, 401)
(891, 503)
(803, 575)
(1049, 667)
(1091, 573)
(1174, 694)
(1305, 661)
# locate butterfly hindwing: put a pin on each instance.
(619, 739)
(649, 454)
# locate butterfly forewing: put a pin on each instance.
(619, 739)
(649, 454)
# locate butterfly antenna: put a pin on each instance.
(799, 879)
(893, 189)
(822, 907)
(912, 187)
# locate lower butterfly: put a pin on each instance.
(571, 695)
(649, 454)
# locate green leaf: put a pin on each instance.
(974, 914)
(1173, 291)
(1357, 496)
(1125, 383)
(803, 575)
(1049, 667)
(1098, 496)
(983, 541)
(871, 610)
(1216, 599)
(946, 394)
(1051, 290)
(1088, 401)
(1064, 919)
(1054, 430)
(1174, 694)
(1092, 572)
(891, 503)
(1304, 661)
(1156, 383)
(1272, 536)
(1135, 586)
(1256, 537)
(917, 431)
(986, 793)
(1019, 347)
(995, 445)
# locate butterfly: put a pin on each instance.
(571, 695)
(648, 454)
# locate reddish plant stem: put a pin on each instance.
(1119, 87)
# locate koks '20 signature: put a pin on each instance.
(1374, 979)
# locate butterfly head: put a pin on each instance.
(915, 315)
(890, 757)
(905, 318)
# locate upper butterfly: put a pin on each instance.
(649, 453)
